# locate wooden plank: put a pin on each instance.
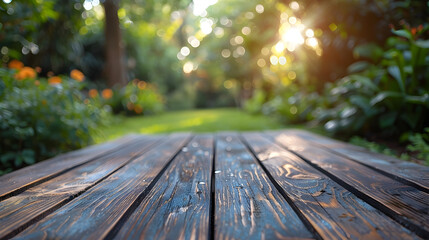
(407, 172)
(93, 214)
(18, 181)
(247, 204)
(403, 203)
(20, 211)
(178, 206)
(334, 212)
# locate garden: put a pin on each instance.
(81, 72)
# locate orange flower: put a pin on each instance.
(107, 93)
(413, 31)
(25, 72)
(54, 80)
(141, 85)
(77, 75)
(130, 106)
(93, 93)
(138, 109)
(50, 74)
(37, 82)
(38, 69)
(15, 64)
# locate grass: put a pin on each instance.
(207, 120)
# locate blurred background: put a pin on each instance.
(82, 70)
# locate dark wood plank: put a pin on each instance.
(247, 204)
(407, 172)
(178, 206)
(334, 212)
(19, 180)
(93, 214)
(20, 211)
(404, 203)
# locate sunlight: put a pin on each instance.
(226, 53)
(259, 8)
(279, 47)
(312, 42)
(292, 37)
(193, 41)
(188, 67)
(206, 25)
(185, 51)
(200, 6)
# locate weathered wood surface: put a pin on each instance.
(333, 211)
(407, 172)
(402, 202)
(247, 204)
(178, 206)
(21, 210)
(29, 176)
(275, 185)
(94, 214)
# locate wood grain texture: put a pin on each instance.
(18, 180)
(178, 206)
(19, 211)
(404, 203)
(247, 204)
(334, 212)
(93, 214)
(407, 172)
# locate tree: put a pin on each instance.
(114, 68)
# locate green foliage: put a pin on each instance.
(137, 98)
(419, 143)
(254, 104)
(372, 146)
(39, 120)
(292, 105)
(390, 97)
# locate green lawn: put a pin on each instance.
(208, 120)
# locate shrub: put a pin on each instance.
(419, 143)
(40, 118)
(290, 104)
(390, 97)
(137, 98)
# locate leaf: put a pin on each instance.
(371, 51)
(365, 81)
(358, 67)
(423, 100)
(396, 74)
(403, 33)
(383, 95)
(422, 43)
(388, 119)
(361, 102)
(348, 112)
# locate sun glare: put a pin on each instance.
(188, 67)
(293, 37)
(200, 6)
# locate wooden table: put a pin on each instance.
(260, 185)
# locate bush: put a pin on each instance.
(291, 105)
(419, 143)
(137, 98)
(390, 97)
(40, 118)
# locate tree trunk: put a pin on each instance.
(114, 68)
